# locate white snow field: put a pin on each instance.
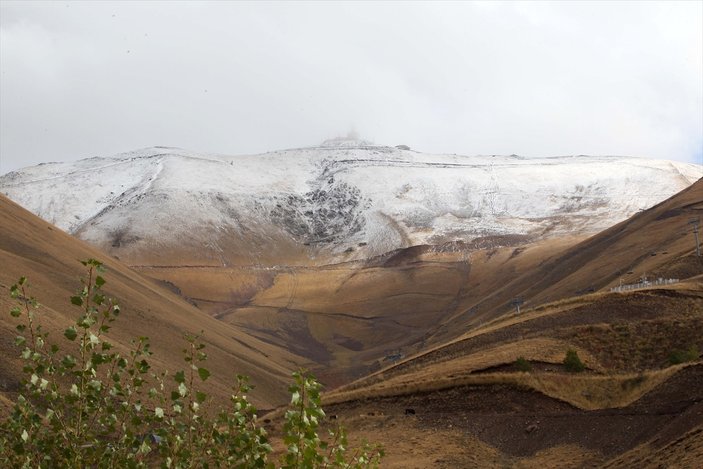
(342, 196)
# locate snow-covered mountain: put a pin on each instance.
(345, 198)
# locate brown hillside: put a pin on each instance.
(500, 424)
(49, 258)
(655, 243)
(630, 407)
(629, 404)
(355, 317)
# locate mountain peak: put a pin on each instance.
(347, 194)
(352, 139)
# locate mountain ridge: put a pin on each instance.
(333, 202)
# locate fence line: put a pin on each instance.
(644, 284)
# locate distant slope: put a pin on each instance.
(417, 298)
(49, 258)
(617, 332)
(348, 254)
(358, 316)
(630, 406)
(500, 423)
(339, 201)
(657, 242)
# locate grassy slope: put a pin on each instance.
(49, 257)
(629, 408)
(348, 318)
(657, 242)
(519, 419)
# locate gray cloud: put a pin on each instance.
(80, 79)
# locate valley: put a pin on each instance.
(395, 276)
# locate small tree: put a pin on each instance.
(523, 365)
(683, 356)
(572, 362)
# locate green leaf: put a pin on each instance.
(70, 333)
(203, 373)
(15, 312)
(142, 366)
(295, 397)
(180, 376)
(77, 300)
(86, 321)
(94, 340)
(99, 281)
(68, 361)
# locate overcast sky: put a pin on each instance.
(81, 79)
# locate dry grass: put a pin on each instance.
(49, 257)
(548, 309)
(559, 456)
(495, 325)
(411, 445)
(611, 331)
(600, 392)
(543, 350)
(556, 307)
(584, 391)
(685, 452)
(638, 345)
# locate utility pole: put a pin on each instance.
(517, 302)
(695, 222)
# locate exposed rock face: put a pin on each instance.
(329, 214)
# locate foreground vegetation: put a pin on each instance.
(95, 404)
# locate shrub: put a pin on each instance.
(92, 406)
(523, 365)
(573, 363)
(683, 356)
